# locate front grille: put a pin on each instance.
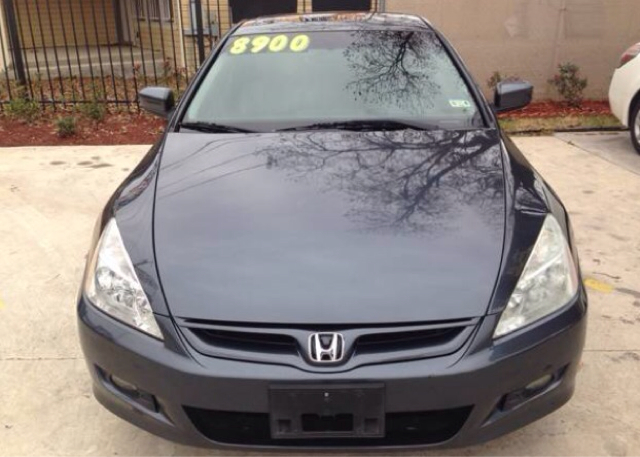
(363, 345)
(402, 429)
(403, 341)
(247, 341)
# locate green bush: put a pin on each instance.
(66, 126)
(23, 108)
(94, 110)
(569, 84)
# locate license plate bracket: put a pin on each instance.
(327, 411)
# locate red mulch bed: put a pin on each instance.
(145, 129)
(546, 109)
(114, 129)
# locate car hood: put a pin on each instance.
(330, 227)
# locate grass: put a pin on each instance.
(66, 126)
(22, 108)
(551, 124)
(94, 110)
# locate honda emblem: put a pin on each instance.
(326, 347)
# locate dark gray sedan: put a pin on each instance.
(333, 245)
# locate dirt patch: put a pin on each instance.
(113, 130)
(546, 109)
(134, 128)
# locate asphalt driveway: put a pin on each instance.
(49, 201)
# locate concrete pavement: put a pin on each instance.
(50, 198)
(614, 147)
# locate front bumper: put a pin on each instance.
(206, 401)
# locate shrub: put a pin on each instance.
(94, 110)
(66, 126)
(569, 84)
(167, 70)
(23, 108)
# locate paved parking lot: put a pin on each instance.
(49, 200)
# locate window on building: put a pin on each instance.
(140, 9)
(341, 5)
(155, 10)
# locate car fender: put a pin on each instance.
(625, 90)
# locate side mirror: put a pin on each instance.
(157, 100)
(512, 95)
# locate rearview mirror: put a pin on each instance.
(157, 100)
(512, 95)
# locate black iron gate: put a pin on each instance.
(64, 52)
(61, 53)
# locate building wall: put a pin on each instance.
(529, 38)
(37, 30)
(159, 36)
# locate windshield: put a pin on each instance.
(294, 80)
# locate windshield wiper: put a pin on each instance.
(363, 125)
(210, 127)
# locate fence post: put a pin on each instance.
(14, 41)
(199, 30)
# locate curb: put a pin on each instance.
(568, 130)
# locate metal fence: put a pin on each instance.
(60, 53)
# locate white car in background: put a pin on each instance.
(624, 93)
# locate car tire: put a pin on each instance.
(634, 126)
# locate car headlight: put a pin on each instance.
(547, 283)
(111, 284)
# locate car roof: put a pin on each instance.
(344, 20)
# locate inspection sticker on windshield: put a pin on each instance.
(460, 103)
(269, 43)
